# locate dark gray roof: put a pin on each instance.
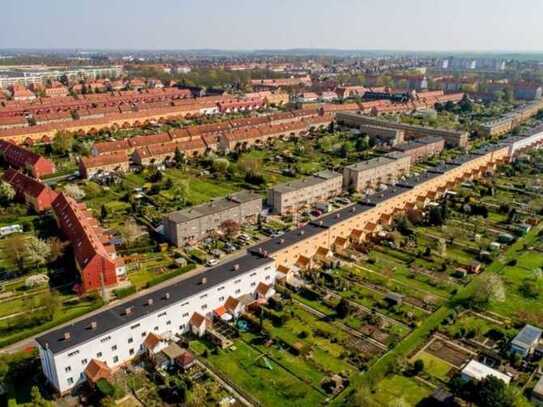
(213, 207)
(115, 317)
(289, 238)
(415, 180)
(381, 196)
(341, 215)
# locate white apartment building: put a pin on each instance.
(115, 336)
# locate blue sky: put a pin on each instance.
(250, 24)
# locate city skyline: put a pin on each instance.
(423, 25)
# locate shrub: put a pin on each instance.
(124, 292)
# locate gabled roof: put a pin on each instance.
(151, 341)
(96, 370)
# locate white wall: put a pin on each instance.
(168, 321)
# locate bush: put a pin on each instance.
(124, 292)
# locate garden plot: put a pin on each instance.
(450, 353)
(266, 380)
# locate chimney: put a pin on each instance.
(167, 296)
(301, 232)
(204, 280)
(67, 336)
(265, 253)
(93, 325)
(128, 310)
(281, 241)
(150, 301)
(236, 267)
(338, 215)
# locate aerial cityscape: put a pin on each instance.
(271, 204)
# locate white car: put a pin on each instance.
(212, 262)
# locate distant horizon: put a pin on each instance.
(491, 26)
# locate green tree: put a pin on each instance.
(7, 193)
(220, 165)
(37, 251)
(103, 212)
(15, 250)
(63, 142)
(180, 159)
(492, 392)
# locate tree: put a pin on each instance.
(362, 143)
(343, 308)
(15, 250)
(435, 216)
(492, 392)
(74, 191)
(56, 248)
(181, 190)
(220, 165)
(230, 228)
(180, 159)
(418, 366)
(51, 303)
(7, 193)
(37, 398)
(37, 251)
(529, 288)
(130, 231)
(63, 143)
(103, 212)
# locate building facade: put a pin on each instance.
(196, 223)
(291, 196)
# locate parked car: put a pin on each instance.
(230, 248)
(212, 262)
(316, 213)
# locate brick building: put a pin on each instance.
(21, 158)
(95, 256)
(30, 190)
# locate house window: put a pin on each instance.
(204, 306)
(114, 347)
(99, 355)
(130, 340)
(143, 334)
(186, 314)
(68, 369)
(131, 351)
(252, 274)
(161, 314)
(135, 326)
(107, 338)
(203, 296)
(168, 322)
(84, 362)
(70, 380)
(75, 352)
(253, 284)
(115, 359)
(185, 303)
(156, 328)
(237, 281)
(182, 327)
(238, 291)
(220, 288)
(267, 277)
(221, 299)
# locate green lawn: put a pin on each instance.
(245, 367)
(400, 387)
(434, 366)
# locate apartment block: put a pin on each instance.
(113, 337)
(367, 175)
(454, 138)
(194, 224)
(421, 148)
(383, 135)
(291, 196)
